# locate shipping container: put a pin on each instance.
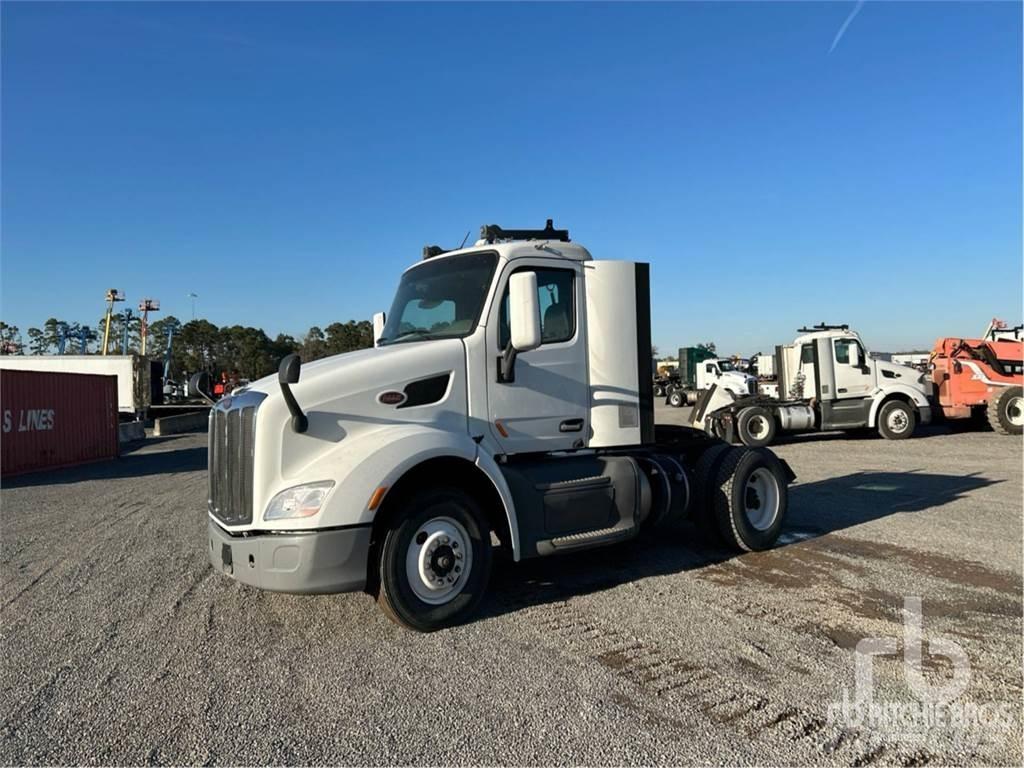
(134, 374)
(55, 420)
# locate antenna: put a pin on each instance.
(463, 243)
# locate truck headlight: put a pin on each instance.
(300, 501)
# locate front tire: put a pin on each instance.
(435, 561)
(1006, 411)
(676, 399)
(896, 420)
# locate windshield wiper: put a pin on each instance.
(420, 333)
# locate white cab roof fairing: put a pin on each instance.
(808, 338)
(520, 249)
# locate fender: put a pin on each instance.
(385, 457)
(916, 396)
(489, 467)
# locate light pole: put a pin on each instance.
(193, 295)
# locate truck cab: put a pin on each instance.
(826, 380)
(507, 401)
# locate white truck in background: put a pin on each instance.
(825, 380)
(695, 375)
(509, 391)
(134, 375)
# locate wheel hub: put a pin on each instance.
(1015, 411)
(438, 560)
(898, 421)
(761, 499)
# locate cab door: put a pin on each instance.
(546, 405)
(854, 376)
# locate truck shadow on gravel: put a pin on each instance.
(815, 510)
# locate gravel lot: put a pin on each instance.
(122, 646)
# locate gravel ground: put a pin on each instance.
(121, 645)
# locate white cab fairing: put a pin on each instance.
(612, 337)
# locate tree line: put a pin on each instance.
(196, 345)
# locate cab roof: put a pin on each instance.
(519, 243)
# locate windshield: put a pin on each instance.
(440, 299)
(725, 365)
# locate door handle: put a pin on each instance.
(841, 390)
(571, 425)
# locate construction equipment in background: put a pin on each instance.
(126, 322)
(145, 307)
(113, 295)
(982, 376)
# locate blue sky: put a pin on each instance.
(286, 162)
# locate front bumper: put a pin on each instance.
(331, 560)
(924, 414)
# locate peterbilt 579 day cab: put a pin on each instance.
(508, 395)
(824, 381)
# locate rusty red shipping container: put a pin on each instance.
(55, 420)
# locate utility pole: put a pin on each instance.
(112, 295)
(145, 307)
(193, 295)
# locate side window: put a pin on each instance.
(710, 368)
(557, 294)
(806, 354)
(842, 347)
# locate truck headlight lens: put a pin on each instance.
(300, 501)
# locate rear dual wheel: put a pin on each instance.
(741, 496)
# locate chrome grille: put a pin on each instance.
(232, 442)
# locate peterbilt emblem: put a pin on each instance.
(391, 397)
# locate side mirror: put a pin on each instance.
(288, 371)
(288, 374)
(854, 356)
(524, 322)
(378, 326)
(524, 311)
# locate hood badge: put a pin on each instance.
(391, 397)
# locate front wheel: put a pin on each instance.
(676, 399)
(896, 420)
(435, 561)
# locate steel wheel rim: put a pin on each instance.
(1015, 411)
(897, 420)
(757, 426)
(761, 499)
(438, 560)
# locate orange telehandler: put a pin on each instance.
(986, 375)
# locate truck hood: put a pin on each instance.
(894, 373)
(343, 398)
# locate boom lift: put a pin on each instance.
(509, 392)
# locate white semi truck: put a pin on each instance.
(704, 374)
(508, 395)
(825, 380)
